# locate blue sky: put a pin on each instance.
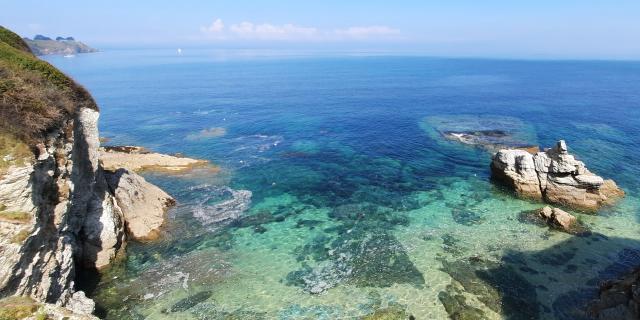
(490, 28)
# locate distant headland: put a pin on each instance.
(43, 45)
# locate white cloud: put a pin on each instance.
(268, 31)
(216, 26)
(367, 32)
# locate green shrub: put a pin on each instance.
(13, 39)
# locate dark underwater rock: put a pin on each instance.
(392, 312)
(190, 301)
(451, 244)
(489, 139)
(466, 217)
(490, 132)
(456, 305)
(497, 285)
(612, 294)
(357, 257)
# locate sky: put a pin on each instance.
(572, 29)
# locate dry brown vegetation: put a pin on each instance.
(15, 216)
(35, 97)
(12, 152)
(13, 308)
(20, 237)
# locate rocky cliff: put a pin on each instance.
(59, 209)
(554, 176)
(66, 46)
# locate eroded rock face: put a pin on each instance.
(554, 176)
(142, 204)
(71, 215)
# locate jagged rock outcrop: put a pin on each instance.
(78, 215)
(554, 176)
(618, 299)
(63, 191)
(57, 211)
(142, 204)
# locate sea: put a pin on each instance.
(345, 199)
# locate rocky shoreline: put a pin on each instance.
(74, 212)
(134, 158)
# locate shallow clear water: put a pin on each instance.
(359, 206)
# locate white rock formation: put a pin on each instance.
(75, 217)
(554, 176)
(142, 204)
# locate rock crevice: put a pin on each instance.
(76, 215)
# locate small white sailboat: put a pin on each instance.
(179, 51)
(69, 55)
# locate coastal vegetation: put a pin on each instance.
(35, 97)
(16, 308)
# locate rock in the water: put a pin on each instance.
(230, 207)
(558, 218)
(80, 304)
(618, 299)
(143, 204)
(517, 169)
(554, 176)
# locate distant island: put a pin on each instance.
(43, 45)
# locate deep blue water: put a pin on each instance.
(344, 149)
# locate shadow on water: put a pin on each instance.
(555, 283)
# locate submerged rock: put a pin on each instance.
(232, 203)
(191, 301)
(489, 139)
(392, 312)
(618, 299)
(374, 260)
(489, 132)
(497, 285)
(455, 303)
(554, 176)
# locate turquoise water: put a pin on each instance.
(359, 207)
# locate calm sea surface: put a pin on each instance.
(359, 207)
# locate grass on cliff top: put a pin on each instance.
(35, 97)
(12, 152)
(13, 39)
(14, 308)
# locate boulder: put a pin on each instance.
(516, 169)
(554, 176)
(558, 218)
(143, 205)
